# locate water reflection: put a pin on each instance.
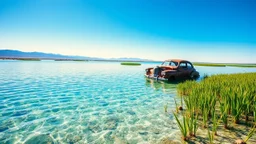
(166, 85)
(160, 85)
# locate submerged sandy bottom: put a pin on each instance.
(69, 102)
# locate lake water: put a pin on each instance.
(87, 102)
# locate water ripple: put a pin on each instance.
(70, 102)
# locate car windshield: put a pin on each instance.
(170, 63)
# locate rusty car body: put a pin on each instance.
(172, 69)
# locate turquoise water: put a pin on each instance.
(86, 102)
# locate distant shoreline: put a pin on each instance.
(65, 59)
(247, 65)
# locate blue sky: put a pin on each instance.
(197, 30)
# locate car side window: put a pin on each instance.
(189, 66)
(183, 65)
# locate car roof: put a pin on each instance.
(177, 60)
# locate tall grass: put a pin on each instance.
(220, 99)
(182, 126)
(224, 65)
(250, 134)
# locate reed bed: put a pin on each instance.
(29, 59)
(224, 65)
(209, 64)
(218, 100)
(80, 60)
(131, 63)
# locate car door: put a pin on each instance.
(182, 70)
(189, 69)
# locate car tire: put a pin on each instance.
(194, 75)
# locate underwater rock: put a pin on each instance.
(40, 139)
(180, 108)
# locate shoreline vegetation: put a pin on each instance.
(223, 106)
(28, 59)
(224, 65)
(131, 63)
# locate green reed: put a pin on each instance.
(254, 113)
(182, 126)
(215, 122)
(165, 108)
(210, 137)
(250, 134)
(194, 120)
(176, 106)
(232, 95)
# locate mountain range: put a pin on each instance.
(6, 53)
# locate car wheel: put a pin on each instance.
(194, 75)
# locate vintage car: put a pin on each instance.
(173, 69)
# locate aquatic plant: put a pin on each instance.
(131, 63)
(224, 65)
(209, 64)
(195, 124)
(182, 126)
(214, 122)
(250, 134)
(220, 99)
(192, 123)
(165, 108)
(29, 59)
(210, 137)
(254, 113)
(242, 65)
(176, 106)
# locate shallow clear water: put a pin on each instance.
(86, 102)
